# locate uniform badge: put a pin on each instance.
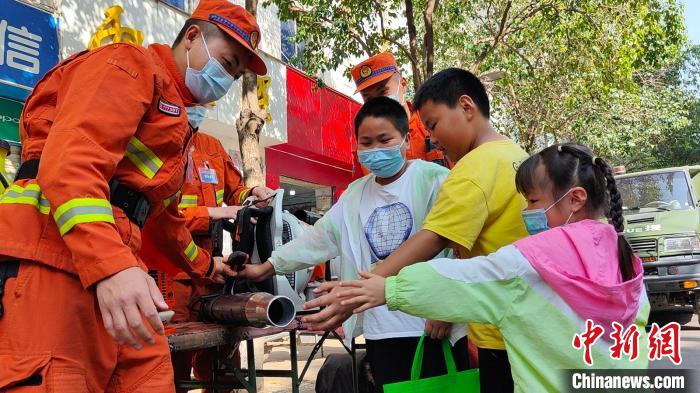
(365, 71)
(167, 108)
(254, 37)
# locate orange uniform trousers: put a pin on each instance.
(63, 346)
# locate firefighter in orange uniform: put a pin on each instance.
(380, 76)
(104, 138)
(211, 180)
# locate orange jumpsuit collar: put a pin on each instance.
(166, 55)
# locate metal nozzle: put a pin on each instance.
(253, 309)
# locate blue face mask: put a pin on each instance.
(211, 82)
(536, 219)
(395, 95)
(384, 162)
(195, 115)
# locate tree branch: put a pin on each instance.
(428, 37)
(298, 8)
(413, 45)
(406, 51)
(496, 39)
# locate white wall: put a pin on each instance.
(160, 23)
(222, 119)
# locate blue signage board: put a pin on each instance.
(28, 47)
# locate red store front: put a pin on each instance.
(318, 161)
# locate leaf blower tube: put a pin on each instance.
(257, 309)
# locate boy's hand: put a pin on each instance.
(437, 330)
(125, 299)
(365, 294)
(256, 273)
(334, 314)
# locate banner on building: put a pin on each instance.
(10, 112)
(28, 47)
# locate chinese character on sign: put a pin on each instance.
(586, 339)
(665, 341)
(627, 342)
(112, 31)
(19, 48)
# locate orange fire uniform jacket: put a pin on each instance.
(416, 140)
(211, 180)
(117, 112)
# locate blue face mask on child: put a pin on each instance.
(195, 115)
(536, 219)
(211, 82)
(384, 162)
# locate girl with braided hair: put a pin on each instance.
(540, 291)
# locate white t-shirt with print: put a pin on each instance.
(387, 221)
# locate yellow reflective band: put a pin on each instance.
(188, 200)
(80, 211)
(144, 159)
(191, 251)
(219, 197)
(30, 195)
(243, 195)
(170, 199)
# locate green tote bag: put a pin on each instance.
(452, 382)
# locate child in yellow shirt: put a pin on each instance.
(477, 210)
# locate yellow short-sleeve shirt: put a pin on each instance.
(478, 211)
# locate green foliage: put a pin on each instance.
(614, 74)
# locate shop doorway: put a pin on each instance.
(312, 198)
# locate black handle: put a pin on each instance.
(235, 261)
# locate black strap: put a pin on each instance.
(216, 235)
(3, 181)
(28, 170)
(7, 269)
(133, 203)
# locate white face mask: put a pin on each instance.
(395, 95)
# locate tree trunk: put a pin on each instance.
(428, 38)
(413, 45)
(250, 123)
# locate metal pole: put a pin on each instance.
(252, 373)
(293, 358)
(355, 374)
(314, 351)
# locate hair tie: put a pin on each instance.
(559, 148)
(593, 159)
(621, 234)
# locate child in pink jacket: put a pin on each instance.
(541, 290)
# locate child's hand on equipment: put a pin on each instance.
(333, 313)
(221, 270)
(366, 293)
(256, 273)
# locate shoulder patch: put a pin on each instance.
(168, 108)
